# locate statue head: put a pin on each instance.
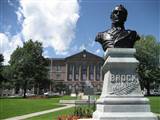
(119, 14)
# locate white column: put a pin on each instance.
(87, 72)
(66, 78)
(94, 72)
(101, 76)
(80, 72)
(73, 72)
(51, 67)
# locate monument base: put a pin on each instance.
(123, 108)
(121, 97)
(124, 116)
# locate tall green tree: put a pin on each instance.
(1, 68)
(1, 77)
(7, 82)
(28, 65)
(148, 53)
(60, 87)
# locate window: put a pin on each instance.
(70, 87)
(91, 72)
(58, 68)
(97, 76)
(76, 72)
(70, 77)
(84, 72)
(84, 55)
(98, 72)
(76, 76)
(70, 70)
(58, 76)
(84, 77)
(91, 77)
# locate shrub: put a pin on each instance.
(84, 111)
(68, 117)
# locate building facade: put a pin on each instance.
(77, 70)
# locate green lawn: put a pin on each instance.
(15, 107)
(54, 115)
(154, 102)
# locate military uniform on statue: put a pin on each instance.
(121, 97)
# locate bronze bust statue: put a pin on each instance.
(117, 36)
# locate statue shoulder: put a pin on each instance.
(133, 34)
(110, 33)
(131, 31)
(104, 35)
(113, 30)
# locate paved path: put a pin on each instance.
(38, 113)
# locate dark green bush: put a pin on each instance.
(84, 111)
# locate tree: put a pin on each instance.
(1, 77)
(28, 65)
(7, 75)
(60, 87)
(1, 66)
(148, 52)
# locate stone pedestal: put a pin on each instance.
(121, 97)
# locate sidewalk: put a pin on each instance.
(38, 113)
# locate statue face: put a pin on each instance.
(119, 14)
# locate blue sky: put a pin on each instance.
(68, 29)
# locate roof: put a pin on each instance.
(83, 55)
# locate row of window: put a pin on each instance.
(76, 69)
(84, 68)
(76, 77)
(83, 77)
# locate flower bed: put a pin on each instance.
(79, 113)
(68, 117)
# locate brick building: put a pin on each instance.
(76, 69)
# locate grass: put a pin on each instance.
(14, 107)
(54, 115)
(154, 102)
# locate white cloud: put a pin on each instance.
(62, 53)
(19, 15)
(45, 54)
(92, 43)
(74, 48)
(51, 22)
(8, 45)
(10, 3)
(97, 51)
(82, 47)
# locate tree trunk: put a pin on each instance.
(25, 89)
(1, 91)
(24, 94)
(38, 90)
(35, 89)
(148, 87)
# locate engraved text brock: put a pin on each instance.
(123, 84)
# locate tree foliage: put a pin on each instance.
(1, 68)
(148, 54)
(60, 87)
(28, 65)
